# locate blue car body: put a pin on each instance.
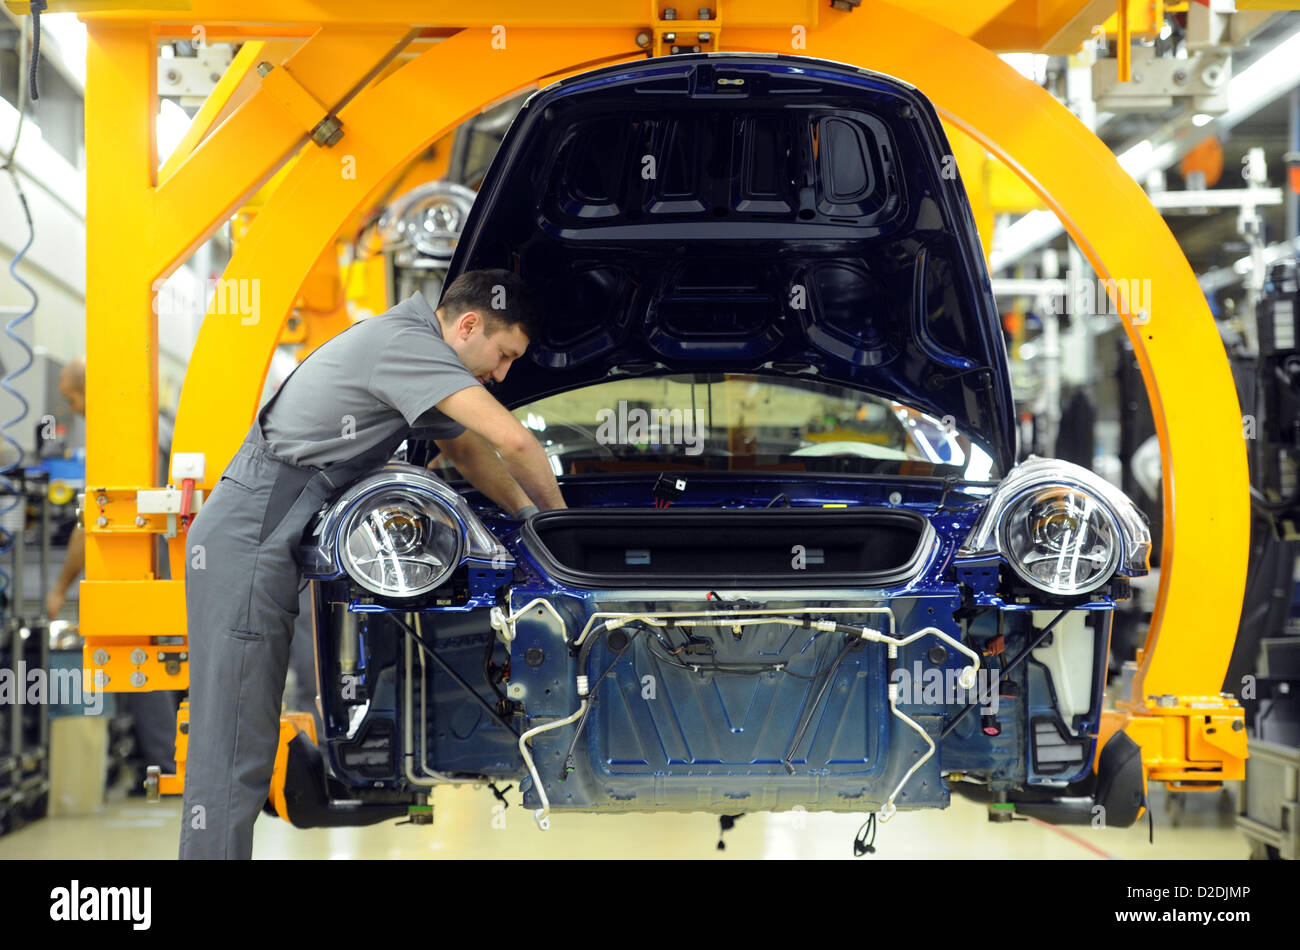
(812, 624)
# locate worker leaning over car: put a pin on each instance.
(410, 372)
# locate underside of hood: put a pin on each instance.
(745, 213)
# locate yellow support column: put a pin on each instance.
(137, 230)
(121, 328)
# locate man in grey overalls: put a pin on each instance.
(341, 413)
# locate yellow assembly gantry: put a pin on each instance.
(330, 103)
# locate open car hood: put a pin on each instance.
(745, 213)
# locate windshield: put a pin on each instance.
(745, 422)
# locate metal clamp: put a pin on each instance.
(324, 128)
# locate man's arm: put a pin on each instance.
(73, 565)
(523, 456)
(478, 461)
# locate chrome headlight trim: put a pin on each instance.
(988, 535)
(320, 552)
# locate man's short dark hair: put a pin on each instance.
(500, 296)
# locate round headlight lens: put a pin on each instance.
(433, 225)
(401, 544)
(427, 219)
(1062, 540)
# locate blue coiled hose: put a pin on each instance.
(13, 497)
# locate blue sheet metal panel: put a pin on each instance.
(462, 736)
(1000, 757)
(712, 723)
(540, 663)
(709, 740)
(967, 748)
(727, 794)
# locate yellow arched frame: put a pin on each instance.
(1102, 208)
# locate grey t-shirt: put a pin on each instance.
(353, 392)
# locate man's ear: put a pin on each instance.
(466, 324)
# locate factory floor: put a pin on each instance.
(467, 826)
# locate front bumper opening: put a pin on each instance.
(852, 547)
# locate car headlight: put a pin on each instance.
(428, 219)
(1061, 528)
(1061, 540)
(399, 531)
(400, 543)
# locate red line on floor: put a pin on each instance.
(1073, 837)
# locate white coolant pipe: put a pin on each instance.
(505, 623)
(888, 809)
(967, 677)
(615, 618)
(542, 815)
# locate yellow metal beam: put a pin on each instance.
(1049, 26)
(245, 150)
(1145, 19)
(486, 14)
(966, 18)
(124, 616)
(214, 107)
(121, 330)
(1054, 27)
(1123, 43)
(1020, 133)
(22, 7)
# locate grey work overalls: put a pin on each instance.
(241, 598)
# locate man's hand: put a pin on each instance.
(523, 456)
(54, 603)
